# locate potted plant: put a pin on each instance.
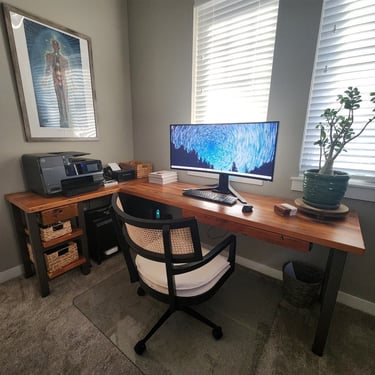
(324, 187)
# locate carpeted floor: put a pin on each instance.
(350, 347)
(52, 336)
(44, 336)
(245, 307)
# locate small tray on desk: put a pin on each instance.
(320, 213)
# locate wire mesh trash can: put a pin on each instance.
(301, 283)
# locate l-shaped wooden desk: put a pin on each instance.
(295, 232)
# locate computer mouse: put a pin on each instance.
(247, 208)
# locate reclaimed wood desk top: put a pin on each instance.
(30, 202)
(298, 232)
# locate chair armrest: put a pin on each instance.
(229, 241)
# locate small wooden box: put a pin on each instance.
(55, 215)
(141, 168)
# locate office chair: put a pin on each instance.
(166, 258)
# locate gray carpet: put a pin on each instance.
(245, 308)
(44, 336)
(350, 347)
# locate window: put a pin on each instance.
(345, 57)
(232, 63)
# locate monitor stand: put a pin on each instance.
(225, 187)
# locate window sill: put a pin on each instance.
(358, 189)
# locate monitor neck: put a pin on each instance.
(224, 187)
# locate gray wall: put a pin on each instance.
(160, 34)
(106, 23)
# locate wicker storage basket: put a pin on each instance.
(30, 252)
(141, 168)
(301, 283)
(56, 230)
(60, 257)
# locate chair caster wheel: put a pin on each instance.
(141, 292)
(140, 347)
(217, 333)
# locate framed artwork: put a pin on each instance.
(54, 76)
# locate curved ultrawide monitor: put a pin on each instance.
(238, 149)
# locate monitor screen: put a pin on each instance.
(237, 149)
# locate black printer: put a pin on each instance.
(68, 173)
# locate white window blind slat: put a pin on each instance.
(232, 62)
(345, 57)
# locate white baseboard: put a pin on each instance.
(11, 273)
(356, 303)
(344, 298)
(258, 267)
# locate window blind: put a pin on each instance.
(345, 57)
(232, 63)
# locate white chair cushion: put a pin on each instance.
(188, 284)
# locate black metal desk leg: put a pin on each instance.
(332, 279)
(20, 228)
(85, 267)
(37, 249)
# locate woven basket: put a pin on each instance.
(29, 250)
(58, 258)
(56, 230)
(141, 168)
(301, 283)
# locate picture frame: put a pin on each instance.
(54, 75)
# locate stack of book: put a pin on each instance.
(162, 177)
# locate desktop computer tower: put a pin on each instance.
(146, 209)
(101, 236)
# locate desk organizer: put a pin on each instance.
(141, 168)
(56, 230)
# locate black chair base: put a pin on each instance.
(217, 332)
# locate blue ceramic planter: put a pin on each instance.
(324, 191)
